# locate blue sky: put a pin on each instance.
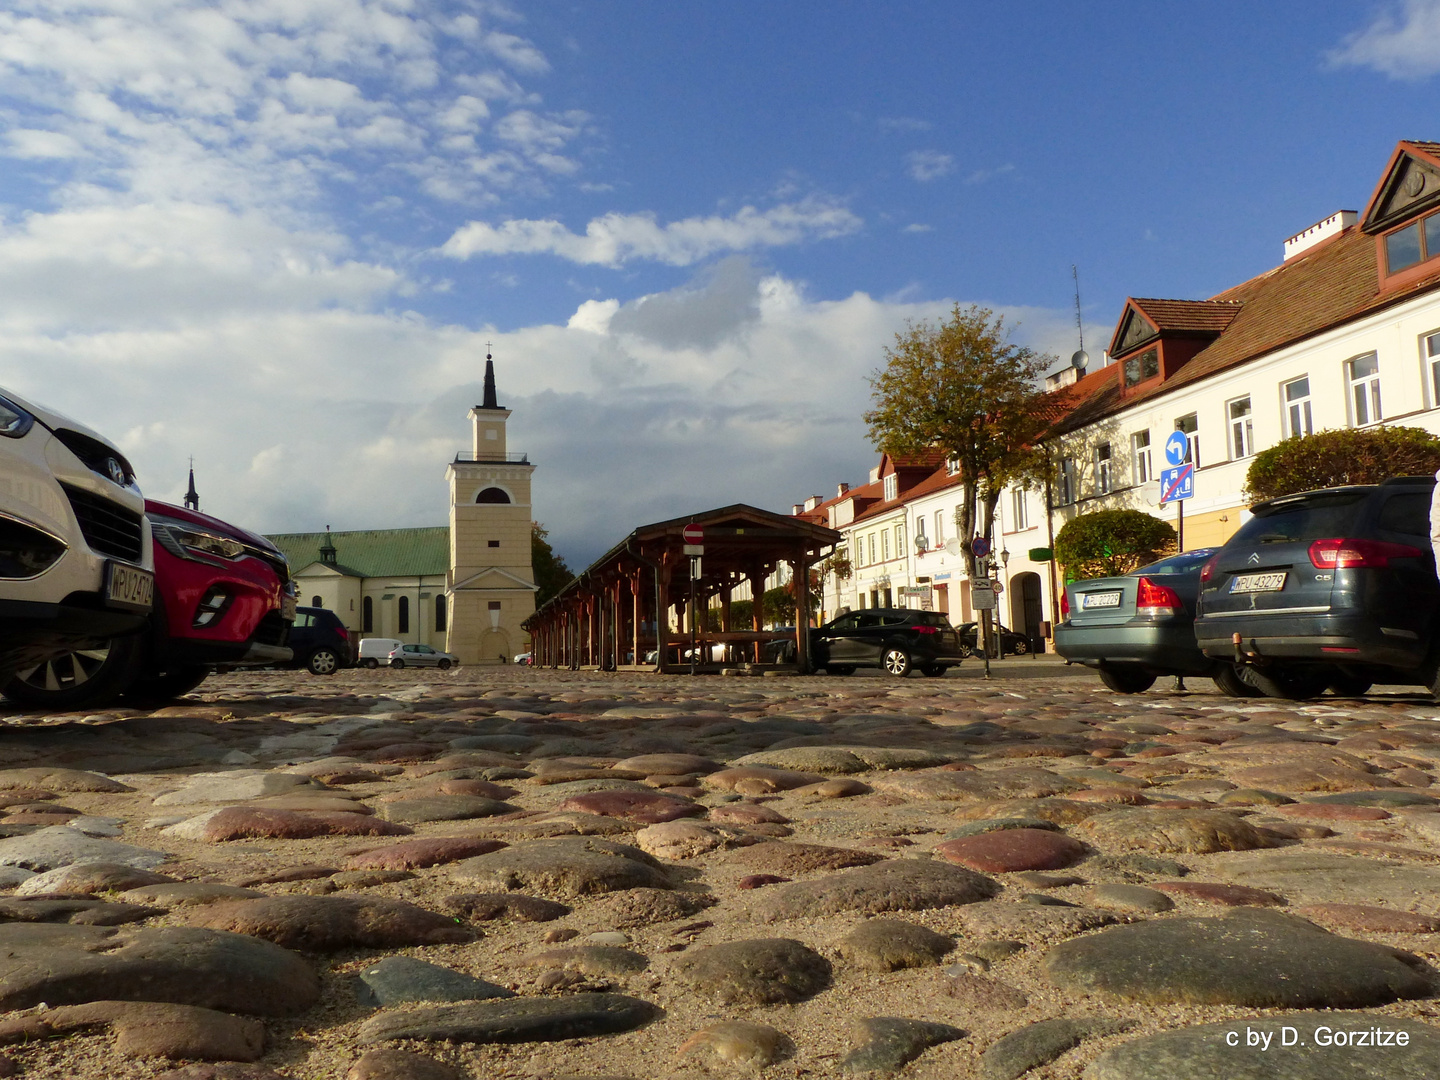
(277, 234)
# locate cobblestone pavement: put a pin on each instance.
(496, 873)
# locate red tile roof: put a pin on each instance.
(1187, 316)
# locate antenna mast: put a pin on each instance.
(1079, 326)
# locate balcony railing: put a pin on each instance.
(466, 456)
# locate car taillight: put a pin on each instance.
(1208, 570)
(342, 633)
(1342, 553)
(1065, 603)
(1152, 599)
(927, 629)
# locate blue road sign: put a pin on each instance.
(1177, 483)
(980, 547)
(1177, 448)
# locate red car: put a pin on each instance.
(223, 596)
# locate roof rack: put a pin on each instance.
(1408, 480)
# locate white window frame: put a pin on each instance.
(1067, 485)
(1430, 352)
(900, 540)
(1019, 518)
(1364, 391)
(1104, 477)
(1192, 437)
(892, 487)
(1299, 415)
(884, 545)
(1140, 460)
(872, 549)
(1241, 429)
(939, 528)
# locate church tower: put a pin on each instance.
(492, 579)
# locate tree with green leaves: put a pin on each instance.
(551, 573)
(1107, 543)
(965, 388)
(1342, 456)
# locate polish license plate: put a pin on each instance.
(1101, 599)
(288, 604)
(129, 587)
(1243, 583)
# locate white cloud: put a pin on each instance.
(927, 165)
(980, 176)
(917, 227)
(1403, 42)
(902, 123)
(615, 239)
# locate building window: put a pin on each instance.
(1298, 420)
(1432, 357)
(872, 547)
(899, 541)
(1102, 469)
(315, 601)
(1364, 376)
(440, 614)
(1018, 518)
(884, 544)
(1414, 244)
(1191, 427)
(1242, 431)
(493, 605)
(892, 487)
(940, 514)
(492, 543)
(402, 614)
(492, 495)
(1140, 456)
(1066, 493)
(952, 465)
(367, 615)
(1142, 367)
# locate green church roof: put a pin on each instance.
(373, 553)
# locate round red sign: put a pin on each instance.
(693, 534)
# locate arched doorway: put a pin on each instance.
(1027, 611)
(495, 647)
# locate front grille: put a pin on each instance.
(109, 528)
(273, 630)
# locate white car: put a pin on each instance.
(76, 567)
(375, 651)
(422, 656)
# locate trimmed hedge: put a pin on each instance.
(1341, 456)
(1106, 543)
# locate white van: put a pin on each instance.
(375, 651)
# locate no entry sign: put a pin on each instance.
(693, 534)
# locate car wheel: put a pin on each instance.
(966, 651)
(1228, 679)
(1292, 684)
(372, 663)
(1126, 680)
(934, 671)
(159, 688)
(444, 665)
(1020, 648)
(323, 661)
(897, 662)
(1343, 685)
(397, 663)
(80, 679)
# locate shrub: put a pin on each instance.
(1341, 456)
(1105, 543)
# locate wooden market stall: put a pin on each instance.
(608, 616)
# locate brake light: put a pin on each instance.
(1065, 603)
(342, 633)
(1342, 553)
(1152, 599)
(1208, 570)
(927, 629)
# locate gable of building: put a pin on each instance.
(372, 553)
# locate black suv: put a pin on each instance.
(320, 641)
(896, 639)
(1333, 588)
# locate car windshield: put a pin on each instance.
(1306, 518)
(1177, 564)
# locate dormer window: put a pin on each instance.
(1415, 243)
(892, 487)
(1142, 367)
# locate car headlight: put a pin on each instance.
(188, 542)
(14, 421)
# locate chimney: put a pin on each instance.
(1333, 225)
(797, 510)
(875, 475)
(813, 501)
(843, 489)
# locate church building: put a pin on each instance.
(465, 588)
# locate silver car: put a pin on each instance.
(422, 656)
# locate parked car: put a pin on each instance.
(1135, 628)
(1011, 643)
(897, 639)
(525, 658)
(375, 651)
(1330, 588)
(76, 564)
(320, 642)
(422, 656)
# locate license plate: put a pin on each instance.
(1257, 582)
(129, 587)
(1100, 599)
(288, 604)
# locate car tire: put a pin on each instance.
(372, 663)
(933, 671)
(81, 679)
(397, 663)
(1020, 648)
(896, 661)
(323, 661)
(156, 689)
(966, 651)
(1229, 682)
(1342, 685)
(444, 665)
(1287, 683)
(1126, 680)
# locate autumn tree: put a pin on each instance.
(965, 388)
(551, 573)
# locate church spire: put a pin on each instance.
(489, 402)
(192, 497)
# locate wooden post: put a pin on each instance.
(756, 574)
(662, 612)
(637, 584)
(802, 611)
